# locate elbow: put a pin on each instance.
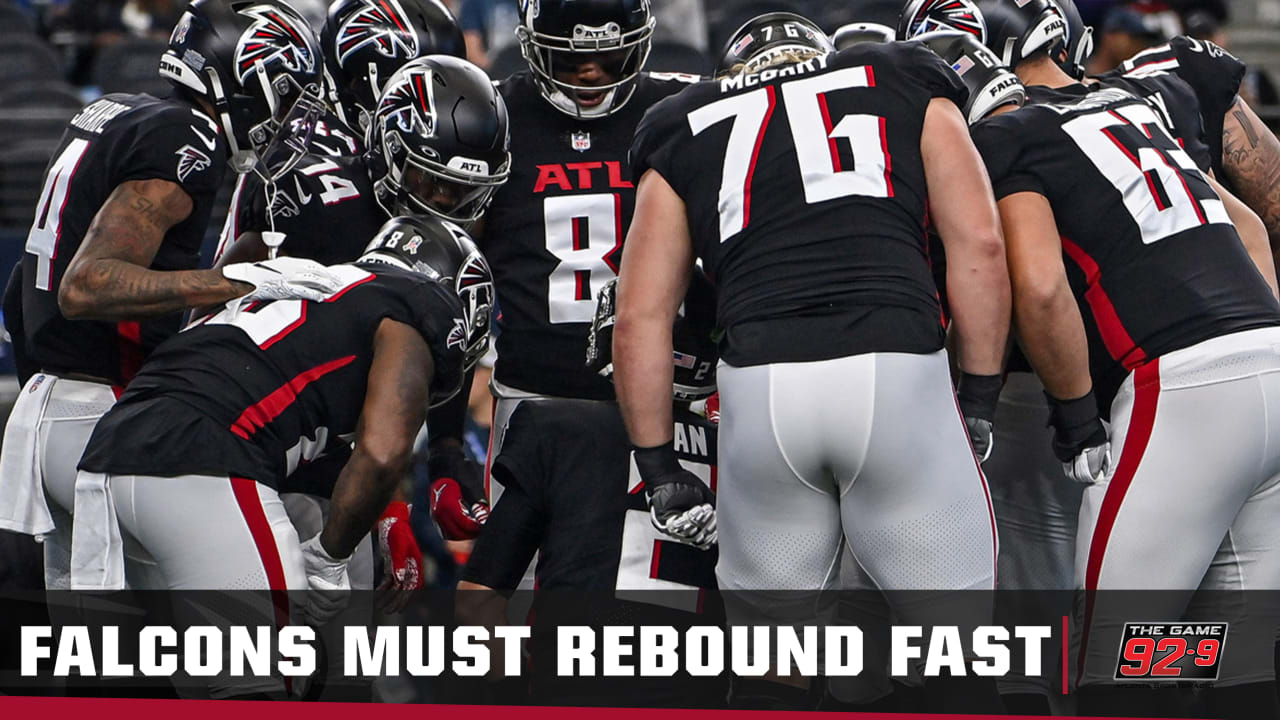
(75, 300)
(387, 461)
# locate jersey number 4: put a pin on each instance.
(42, 241)
(816, 138)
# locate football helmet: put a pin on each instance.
(255, 61)
(762, 40)
(1013, 29)
(438, 140)
(692, 337)
(854, 33)
(365, 41)
(1079, 39)
(557, 35)
(990, 84)
(444, 253)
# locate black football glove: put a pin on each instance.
(680, 504)
(977, 396)
(458, 502)
(1080, 438)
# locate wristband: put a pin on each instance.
(978, 395)
(1067, 415)
(655, 462)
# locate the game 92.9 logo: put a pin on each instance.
(1171, 651)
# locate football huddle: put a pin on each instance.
(916, 311)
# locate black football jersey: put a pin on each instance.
(254, 393)
(567, 456)
(1152, 257)
(805, 192)
(113, 140)
(325, 205)
(553, 235)
(1213, 74)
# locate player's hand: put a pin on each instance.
(327, 581)
(681, 506)
(401, 557)
(284, 278)
(1080, 438)
(458, 502)
(978, 396)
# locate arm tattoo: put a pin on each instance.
(1251, 159)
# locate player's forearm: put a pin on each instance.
(978, 286)
(363, 489)
(1251, 161)
(642, 352)
(1052, 337)
(110, 289)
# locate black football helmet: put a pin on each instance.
(555, 35)
(1013, 29)
(692, 337)
(860, 32)
(990, 84)
(365, 41)
(445, 254)
(438, 140)
(254, 61)
(763, 39)
(1079, 39)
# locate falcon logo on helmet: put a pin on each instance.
(475, 290)
(382, 24)
(191, 160)
(418, 114)
(272, 38)
(960, 15)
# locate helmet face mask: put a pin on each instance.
(558, 37)
(251, 61)
(448, 165)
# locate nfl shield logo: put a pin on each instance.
(581, 141)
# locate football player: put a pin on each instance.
(554, 232)
(833, 369)
(364, 43)
(438, 142)
(1122, 253)
(189, 462)
(572, 495)
(110, 259)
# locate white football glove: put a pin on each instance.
(696, 527)
(327, 581)
(285, 278)
(1090, 466)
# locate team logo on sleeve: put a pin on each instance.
(383, 24)
(191, 160)
(960, 15)
(274, 38)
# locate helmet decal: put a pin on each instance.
(960, 15)
(382, 24)
(414, 97)
(474, 286)
(273, 37)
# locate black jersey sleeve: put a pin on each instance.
(931, 73)
(656, 144)
(179, 149)
(1000, 144)
(1212, 72)
(523, 461)
(251, 206)
(508, 542)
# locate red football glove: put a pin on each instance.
(458, 504)
(401, 557)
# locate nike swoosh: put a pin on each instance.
(211, 143)
(303, 196)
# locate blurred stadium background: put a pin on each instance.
(56, 55)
